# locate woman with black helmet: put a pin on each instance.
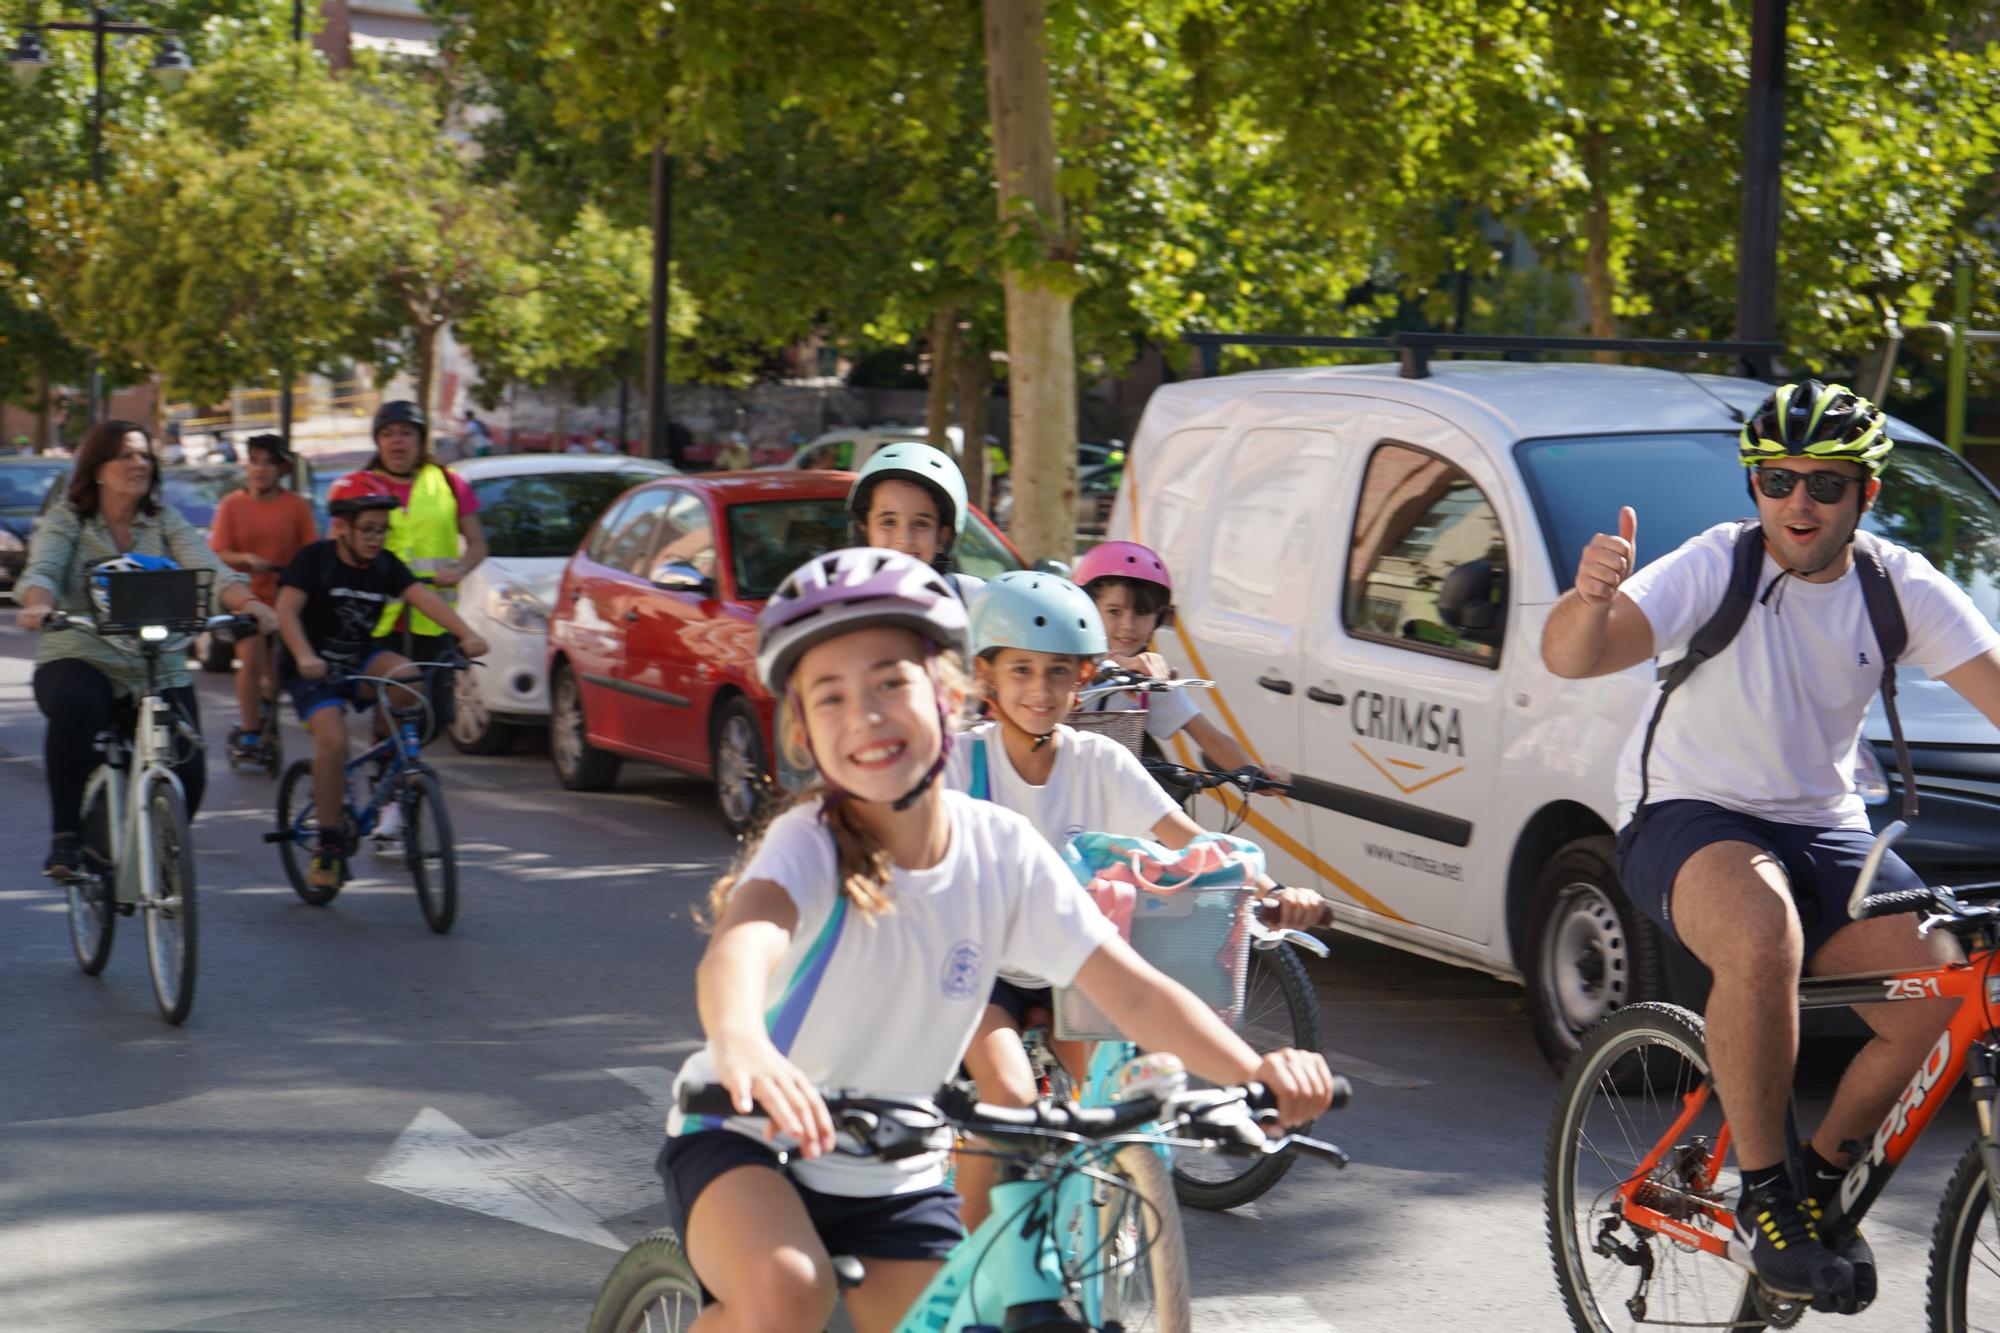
(435, 531)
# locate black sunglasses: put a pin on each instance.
(1826, 488)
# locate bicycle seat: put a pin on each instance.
(847, 1272)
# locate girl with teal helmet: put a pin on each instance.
(910, 497)
(1036, 640)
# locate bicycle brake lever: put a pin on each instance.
(1326, 1152)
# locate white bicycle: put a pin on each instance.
(137, 854)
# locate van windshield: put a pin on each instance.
(1681, 484)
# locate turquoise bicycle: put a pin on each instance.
(1083, 1237)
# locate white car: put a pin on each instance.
(846, 449)
(535, 509)
(1363, 561)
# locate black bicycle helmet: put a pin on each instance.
(401, 410)
(347, 506)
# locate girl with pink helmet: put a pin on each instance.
(1135, 596)
(856, 946)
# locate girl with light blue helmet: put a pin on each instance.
(910, 497)
(1036, 639)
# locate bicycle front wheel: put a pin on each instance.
(1279, 1010)
(93, 909)
(651, 1290)
(1141, 1267)
(169, 903)
(1965, 1253)
(1627, 1086)
(433, 858)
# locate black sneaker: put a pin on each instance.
(65, 861)
(1777, 1240)
(1860, 1255)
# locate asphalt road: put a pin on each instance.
(365, 1126)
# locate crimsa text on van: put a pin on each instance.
(1412, 722)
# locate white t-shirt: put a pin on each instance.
(1769, 726)
(1096, 786)
(888, 1004)
(1167, 711)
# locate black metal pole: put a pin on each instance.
(657, 441)
(1763, 149)
(94, 385)
(298, 20)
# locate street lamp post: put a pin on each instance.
(170, 66)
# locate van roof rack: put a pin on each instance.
(1416, 349)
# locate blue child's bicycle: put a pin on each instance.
(1083, 1236)
(400, 776)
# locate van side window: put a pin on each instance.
(1428, 566)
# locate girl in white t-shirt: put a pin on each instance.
(1135, 594)
(856, 948)
(1036, 639)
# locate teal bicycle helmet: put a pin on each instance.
(908, 460)
(1039, 613)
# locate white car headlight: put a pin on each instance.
(1869, 779)
(517, 608)
(10, 544)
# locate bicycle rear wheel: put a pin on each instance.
(651, 1290)
(1965, 1253)
(1279, 1010)
(93, 910)
(1626, 1087)
(432, 857)
(169, 903)
(296, 817)
(1142, 1264)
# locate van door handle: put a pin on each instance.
(1275, 684)
(1320, 696)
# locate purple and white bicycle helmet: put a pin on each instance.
(862, 587)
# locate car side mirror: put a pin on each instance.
(1473, 601)
(1055, 567)
(675, 576)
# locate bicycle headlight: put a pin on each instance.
(1870, 782)
(517, 608)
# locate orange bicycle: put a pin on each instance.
(1640, 1189)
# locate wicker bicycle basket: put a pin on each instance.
(1127, 726)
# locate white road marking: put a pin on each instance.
(1269, 1314)
(1369, 1072)
(568, 1177)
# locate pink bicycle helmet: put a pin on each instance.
(858, 588)
(1125, 560)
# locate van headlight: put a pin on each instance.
(1870, 782)
(517, 608)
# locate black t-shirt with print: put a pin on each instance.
(344, 602)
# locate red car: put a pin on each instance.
(653, 638)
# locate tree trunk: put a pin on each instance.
(1041, 351)
(944, 365)
(973, 385)
(44, 408)
(427, 351)
(1599, 283)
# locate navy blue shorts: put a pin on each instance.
(1821, 864)
(309, 696)
(922, 1224)
(1018, 1000)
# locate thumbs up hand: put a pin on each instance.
(1608, 560)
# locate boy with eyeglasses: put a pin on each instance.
(330, 598)
(1743, 833)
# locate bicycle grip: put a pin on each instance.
(1260, 1098)
(710, 1099)
(1900, 901)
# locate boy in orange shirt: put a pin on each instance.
(258, 530)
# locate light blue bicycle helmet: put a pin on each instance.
(1037, 612)
(909, 460)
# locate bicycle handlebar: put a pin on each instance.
(1248, 779)
(233, 626)
(1116, 680)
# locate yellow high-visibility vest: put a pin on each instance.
(423, 535)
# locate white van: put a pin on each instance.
(1364, 562)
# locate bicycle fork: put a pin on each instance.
(1982, 1066)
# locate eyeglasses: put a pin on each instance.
(1824, 487)
(371, 529)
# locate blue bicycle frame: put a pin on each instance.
(403, 751)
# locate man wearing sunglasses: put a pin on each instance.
(1743, 833)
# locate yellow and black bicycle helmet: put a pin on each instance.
(1811, 419)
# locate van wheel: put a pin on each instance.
(1589, 951)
